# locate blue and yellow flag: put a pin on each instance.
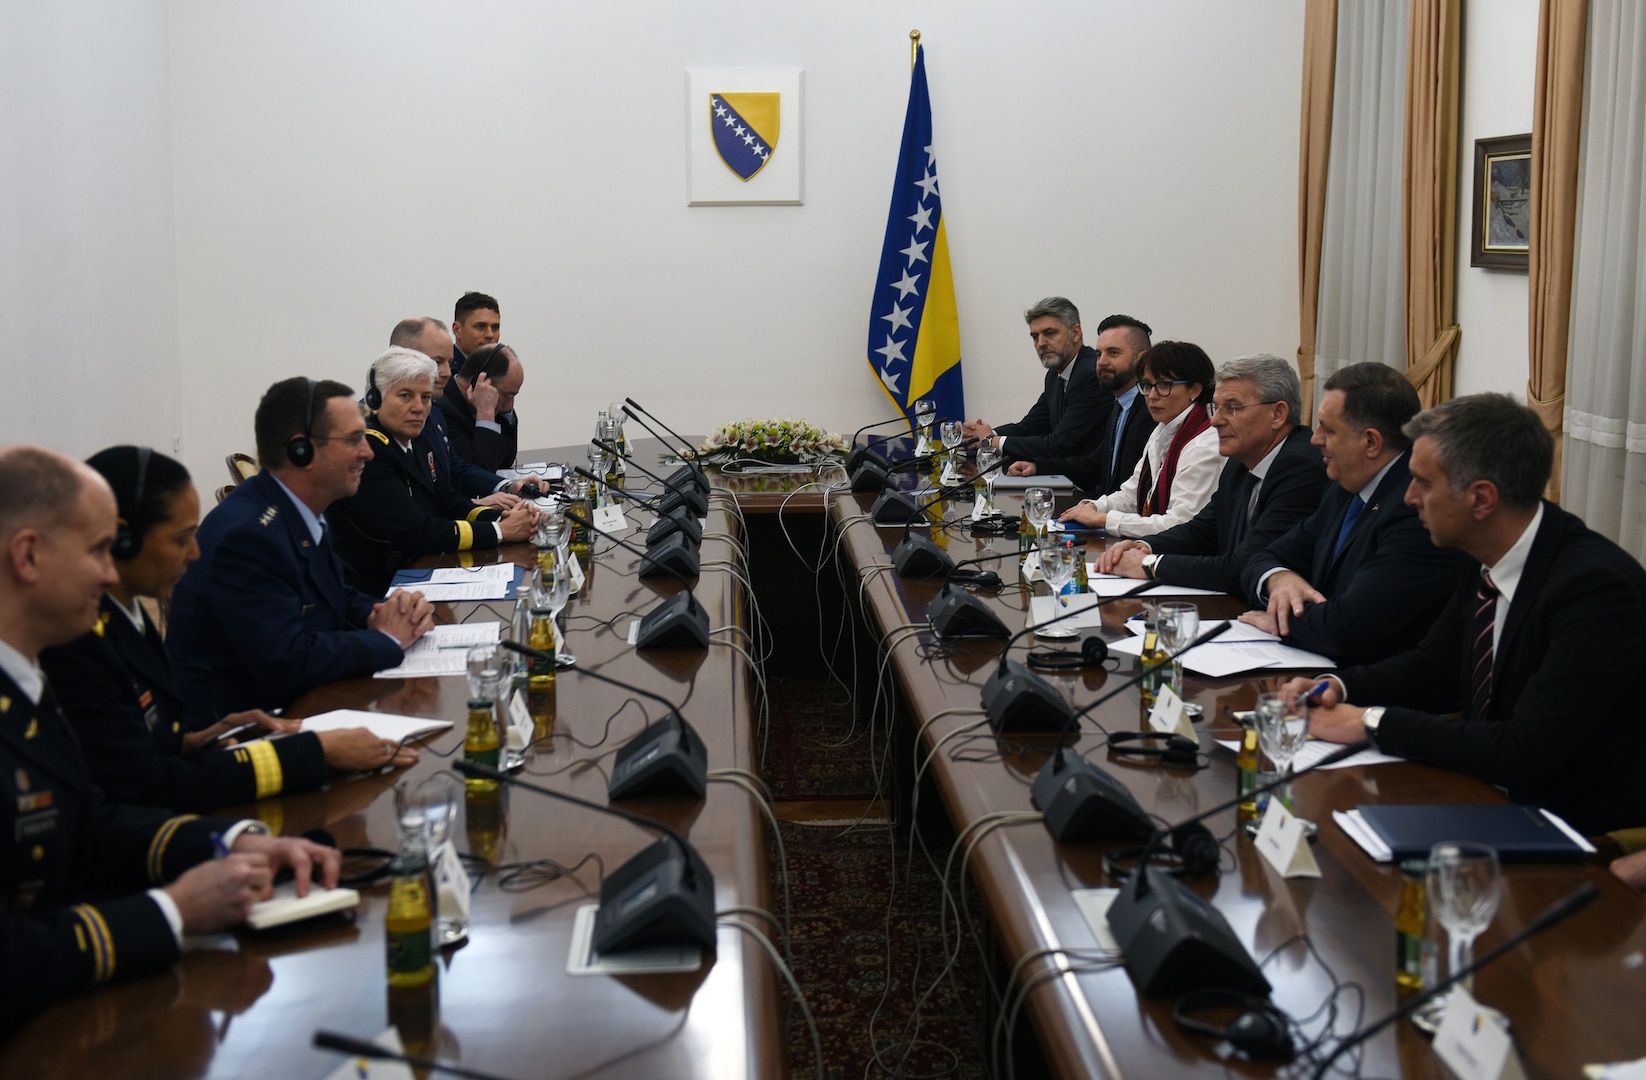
(914, 331)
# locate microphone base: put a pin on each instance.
(1018, 700)
(662, 896)
(1084, 804)
(666, 759)
(869, 475)
(677, 623)
(691, 475)
(957, 614)
(673, 557)
(916, 556)
(1175, 942)
(896, 508)
(693, 499)
(864, 455)
(678, 523)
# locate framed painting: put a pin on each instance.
(1501, 234)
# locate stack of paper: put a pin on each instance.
(450, 583)
(443, 650)
(1110, 585)
(1239, 648)
(392, 727)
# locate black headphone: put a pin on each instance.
(1178, 750)
(477, 362)
(1093, 652)
(300, 448)
(374, 396)
(127, 540)
(1262, 1032)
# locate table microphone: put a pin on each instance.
(678, 520)
(348, 1044)
(678, 492)
(871, 477)
(1171, 938)
(692, 470)
(1555, 913)
(1020, 700)
(666, 758)
(918, 556)
(673, 556)
(662, 896)
(679, 621)
(955, 613)
(859, 456)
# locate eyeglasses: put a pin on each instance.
(1233, 409)
(1162, 388)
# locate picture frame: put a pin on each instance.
(1501, 229)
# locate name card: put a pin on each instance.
(1474, 1043)
(1281, 842)
(610, 520)
(520, 722)
(1169, 716)
(577, 572)
(451, 883)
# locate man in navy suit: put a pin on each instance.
(1069, 415)
(265, 614)
(1273, 479)
(1357, 580)
(1538, 650)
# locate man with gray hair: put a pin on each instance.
(1538, 654)
(1272, 480)
(1069, 415)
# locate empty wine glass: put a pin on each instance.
(1037, 508)
(925, 411)
(950, 431)
(1465, 886)
(1177, 624)
(1282, 729)
(436, 799)
(988, 458)
(1057, 567)
(485, 664)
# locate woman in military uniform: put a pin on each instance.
(406, 507)
(115, 683)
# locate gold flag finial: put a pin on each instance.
(914, 46)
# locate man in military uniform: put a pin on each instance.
(57, 523)
(265, 614)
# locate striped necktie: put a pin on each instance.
(1481, 654)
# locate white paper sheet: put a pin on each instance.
(1315, 749)
(1045, 608)
(1239, 648)
(449, 574)
(391, 726)
(1110, 585)
(484, 589)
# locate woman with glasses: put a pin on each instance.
(115, 683)
(1180, 465)
(406, 506)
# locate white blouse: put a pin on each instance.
(1198, 467)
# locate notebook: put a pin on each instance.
(1517, 833)
(285, 906)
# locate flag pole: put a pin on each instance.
(914, 46)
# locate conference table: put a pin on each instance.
(504, 1002)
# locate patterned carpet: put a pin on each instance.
(845, 911)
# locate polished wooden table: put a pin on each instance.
(1567, 992)
(503, 1002)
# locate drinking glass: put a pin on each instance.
(485, 664)
(597, 467)
(1465, 886)
(1037, 508)
(987, 459)
(1282, 729)
(551, 524)
(559, 592)
(950, 431)
(437, 799)
(925, 410)
(1178, 624)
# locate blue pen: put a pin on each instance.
(1318, 688)
(218, 851)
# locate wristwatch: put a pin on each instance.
(1371, 718)
(1148, 563)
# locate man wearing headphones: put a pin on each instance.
(265, 614)
(479, 405)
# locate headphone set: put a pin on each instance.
(374, 396)
(478, 361)
(300, 448)
(1094, 651)
(1179, 750)
(996, 525)
(127, 540)
(1262, 1032)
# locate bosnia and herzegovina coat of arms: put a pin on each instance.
(745, 130)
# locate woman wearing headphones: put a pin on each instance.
(406, 506)
(1180, 465)
(115, 683)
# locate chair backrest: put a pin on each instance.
(242, 467)
(223, 492)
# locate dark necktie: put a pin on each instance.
(1060, 389)
(1113, 443)
(1356, 505)
(1246, 504)
(1480, 670)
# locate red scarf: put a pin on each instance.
(1193, 424)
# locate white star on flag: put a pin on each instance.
(892, 351)
(899, 318)
(928, 185)
(891, 380)
(930, 157)
(922, 218)
(906, 286)
(915, 250)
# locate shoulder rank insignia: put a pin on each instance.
(269, 514)
(33, 729)
(101, 626)
(5, 704)
(378, 435)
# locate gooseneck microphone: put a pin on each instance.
(674, 556)
(893, 507)
(692, 469)
(859, 455)
(364, 1048)
(679, 621)
(1172, 939)
(679, 520)
(1556, 913)
(918, 556)
(679, 491)
(666, 758)
(662, 896)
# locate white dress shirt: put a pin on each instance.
(1198, 467)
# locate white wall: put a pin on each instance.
(88, 281)
(339, 166)
(1499, 76)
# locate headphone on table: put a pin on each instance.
(1093, 652)
(300, 448)
(1262, 1032)
(1179, 750)
(127, 540)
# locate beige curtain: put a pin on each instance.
(1557, 120)
(1319, 62)
(1429, 207)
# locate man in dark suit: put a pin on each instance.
(1357, 580)
(73, 907)
(264, 614)
(478, 404)
(1101, 468)
(1273, 479)
(475, 322)
(1072, 407)
(1538, 652)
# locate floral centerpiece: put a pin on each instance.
(784, 441)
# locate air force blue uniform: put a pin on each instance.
(264, 614)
